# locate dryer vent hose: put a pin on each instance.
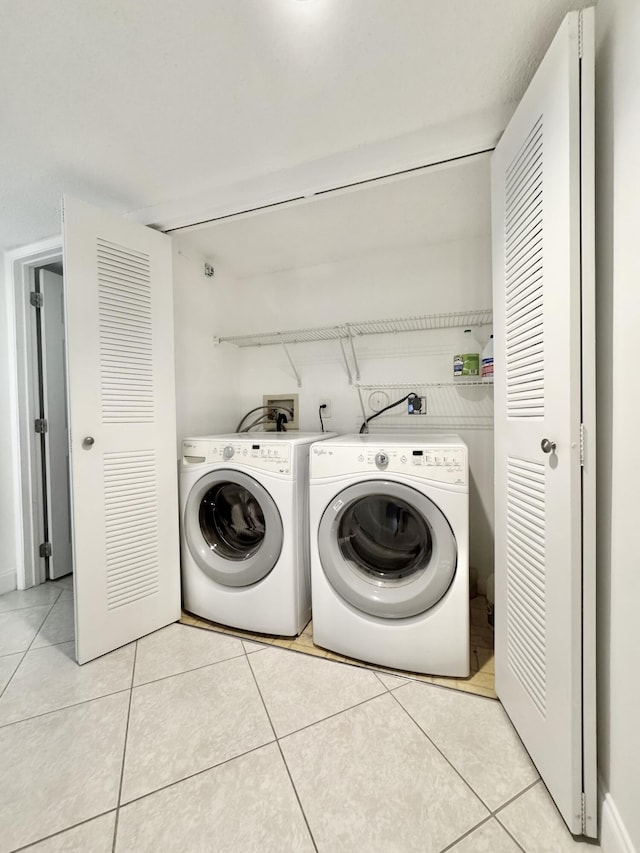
(365, 424)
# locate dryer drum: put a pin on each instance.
(387, 549)
(386, 537)
(231, 521)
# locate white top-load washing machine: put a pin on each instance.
(244, 529)
(389, 519)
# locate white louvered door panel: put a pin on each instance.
(119, 310)
(537, 222)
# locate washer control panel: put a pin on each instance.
(261, 455)
(439, 463)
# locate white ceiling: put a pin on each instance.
(137, 105)
(435, 206)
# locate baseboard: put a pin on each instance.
(614, 837)
(8, 581)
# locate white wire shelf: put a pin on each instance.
(425, 322)
(446, 408)
(449, 383)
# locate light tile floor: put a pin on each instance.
(193, 740)
(481, 680)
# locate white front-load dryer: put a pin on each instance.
(389, 518)
(244, 530)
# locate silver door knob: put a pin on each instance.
(547, 446)
(87, 442)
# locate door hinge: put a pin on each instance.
(36, 299)
(582, 445)
(41, 425)
(45, 549)
(580, 36)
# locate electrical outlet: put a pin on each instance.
(326, 412)
(417, 406)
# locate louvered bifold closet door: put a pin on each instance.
(536, 196)
(119, 314)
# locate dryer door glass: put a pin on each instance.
(233, 528)
(384, 538)
(231, 521)
(387, 549)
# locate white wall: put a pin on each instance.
(618, 271)
(206, 374)
(429, 279)
(7, 499)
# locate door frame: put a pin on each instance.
(26, 474)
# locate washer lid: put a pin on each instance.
(233, 528)
(387, 549)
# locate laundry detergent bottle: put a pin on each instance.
(466, 362)
(487, 361)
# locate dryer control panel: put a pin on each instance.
(437, 463)
(259, 455)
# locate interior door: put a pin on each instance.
(542, 193)
(119, 313)
(54, 379)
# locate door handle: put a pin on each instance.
(87, 442)
(547, 446)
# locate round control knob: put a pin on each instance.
(382, 460)
(228, 452)
(547, 446)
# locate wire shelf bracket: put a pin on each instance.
(291, 362)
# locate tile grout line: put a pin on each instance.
(437, 748)
(284, 761)
(466, 834)
(114, 692)
(193, 669)
(469, 832)
(40, 627)
(33, 639)
(352, 662)
(124, 750)
(511, 836)
(12, 674)
(193, 775)
(387, 690)
(336, 714)
(61, 831)
(32, 606)
(295, 791)
(51, 645)
(510, 802)
(517, 796)
(46, 618)
(493, 813)
(63, 708)
(200, 772)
